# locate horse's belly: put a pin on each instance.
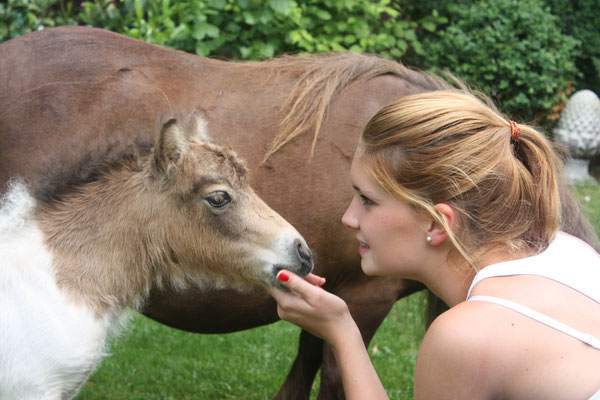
(48, 346)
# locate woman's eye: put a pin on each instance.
(218, 199)
(366, 201)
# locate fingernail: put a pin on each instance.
(283, 277)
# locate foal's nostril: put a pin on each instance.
(304, 254)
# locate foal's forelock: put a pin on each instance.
(207, 157)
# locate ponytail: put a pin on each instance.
(450, 147)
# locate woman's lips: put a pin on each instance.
(363, 247)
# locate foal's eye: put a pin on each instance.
(218, 199)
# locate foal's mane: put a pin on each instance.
(319, 78)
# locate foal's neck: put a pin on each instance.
(101, 239)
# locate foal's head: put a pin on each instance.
(215, 227)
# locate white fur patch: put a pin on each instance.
(15, 207)
(48, 345)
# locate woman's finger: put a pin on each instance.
(309, 306)
(311, 293)
(296, 284)
(315, 279)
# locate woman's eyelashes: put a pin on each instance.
(366, 201)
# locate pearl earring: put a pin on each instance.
(428, 239)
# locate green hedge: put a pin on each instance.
(239, 29)
(581, 19)
(18, 17)
(512, 49)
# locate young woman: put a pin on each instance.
(450, 193)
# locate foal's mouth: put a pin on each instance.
(303, 270)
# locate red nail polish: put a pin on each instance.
(283, 277)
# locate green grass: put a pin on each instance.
(151, 361)
(589, 198)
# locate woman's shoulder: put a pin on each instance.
(481, 350)
(468, 329)
(468, 324)
(463, 354)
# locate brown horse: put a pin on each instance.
(183, 215)
(74, 100)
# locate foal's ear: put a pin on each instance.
(170, 146)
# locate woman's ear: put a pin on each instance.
(436, 234)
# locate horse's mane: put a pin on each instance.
(319, 78)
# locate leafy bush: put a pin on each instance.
(257, 29)
(514, 52)
(243, 29)
(511, 49)
(18, 17)
(581, 19)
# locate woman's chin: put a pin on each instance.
(368, 268)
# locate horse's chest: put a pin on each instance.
(48, 346)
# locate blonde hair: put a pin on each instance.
(450, 147)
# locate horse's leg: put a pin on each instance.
(298, 384)
(331, 381)
(369, 302)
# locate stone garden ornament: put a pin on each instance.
(579, 129)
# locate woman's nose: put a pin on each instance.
(349, 218)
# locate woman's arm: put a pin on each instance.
(327, 316)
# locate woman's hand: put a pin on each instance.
(307, 305)
(325, 315)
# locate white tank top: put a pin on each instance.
(567, 260)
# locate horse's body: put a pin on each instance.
(73, 99)
(183, 216)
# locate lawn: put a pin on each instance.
(589, 197)
(151, 361)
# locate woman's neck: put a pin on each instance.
(452, 284)
(451, 281)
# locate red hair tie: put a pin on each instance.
(515, 132)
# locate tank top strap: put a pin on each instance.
(495, 270)
(542, 318)
(567, 260)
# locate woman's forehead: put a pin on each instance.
(358, 175)
(362, 181)
(360, 149)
